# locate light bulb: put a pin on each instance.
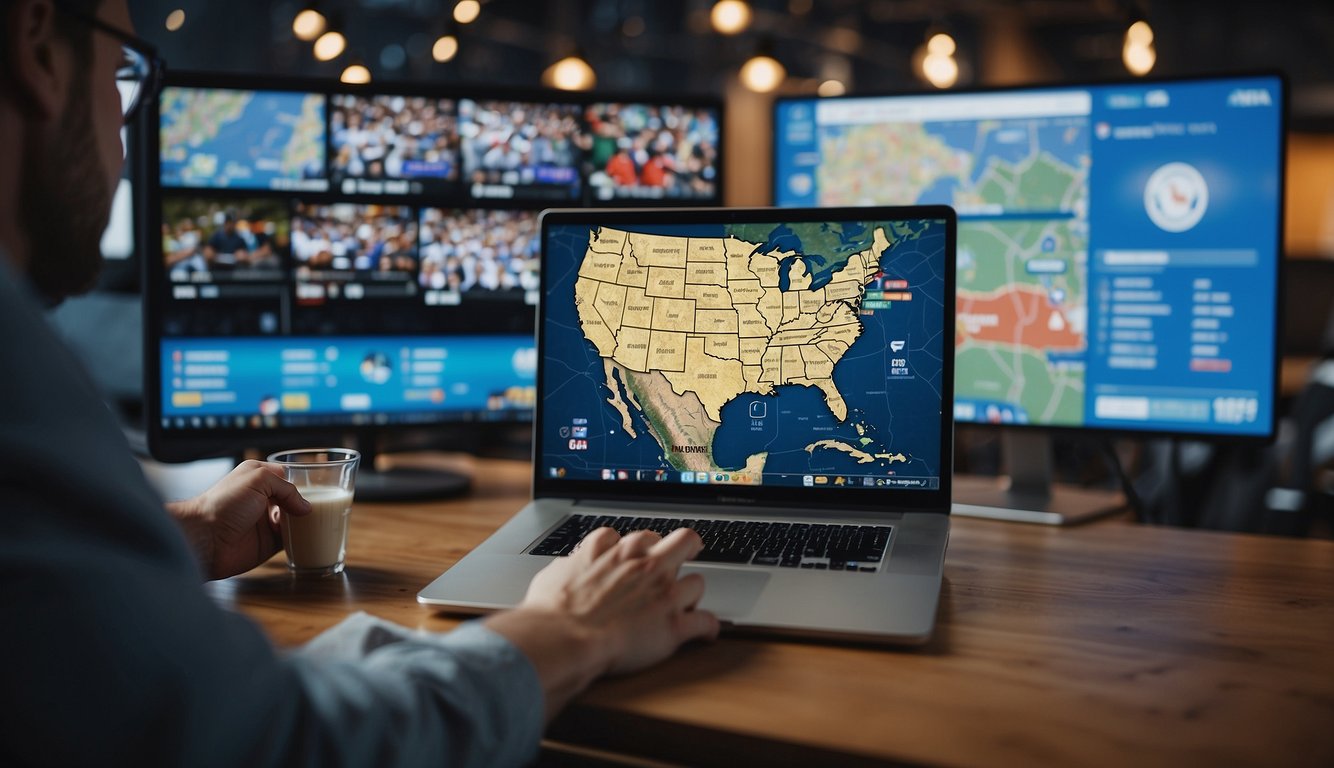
(467, 11)
(940, 70)
(356, 74)
(570, 74)
(941, 44)
(330, 45)
(446, 47)
(831, 88)
(762, 74)
(175, 20)
(1139, 33)
(1139, 59)
(730, 16)
(308, 24)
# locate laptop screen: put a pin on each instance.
(778, 356)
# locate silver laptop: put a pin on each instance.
(780, 380)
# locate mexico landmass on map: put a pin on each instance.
(687, 324)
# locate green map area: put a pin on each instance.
(245, 139)
(1021, 189)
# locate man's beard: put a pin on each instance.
(66, 204)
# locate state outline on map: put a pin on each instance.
(672, 344)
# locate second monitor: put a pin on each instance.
(1119, 244)
(340, 261)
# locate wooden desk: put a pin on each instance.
(1105, 644)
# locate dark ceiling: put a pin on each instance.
(649, 47)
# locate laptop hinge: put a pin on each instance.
(730, 510)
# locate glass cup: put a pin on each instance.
(316, 543)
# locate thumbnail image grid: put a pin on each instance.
(207, 240)
(393, 137)
(475, 250)
(354, 238)
(639, 150)
(508, 142)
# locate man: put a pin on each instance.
(226, 248)
(113, 653)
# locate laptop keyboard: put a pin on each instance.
(785, 545)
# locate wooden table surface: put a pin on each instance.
(1104, 644)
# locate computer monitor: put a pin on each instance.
(334, 262)
(1119, 243)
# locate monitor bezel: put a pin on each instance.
(178, 445)
(816, 500)
(1220, 438)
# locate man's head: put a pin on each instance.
(62, 114)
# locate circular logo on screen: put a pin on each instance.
(1176, 197)
(800, 184)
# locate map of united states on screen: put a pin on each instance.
(690, 323)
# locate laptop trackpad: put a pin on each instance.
(730, 593)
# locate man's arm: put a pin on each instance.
(616, 605)
(613, 606)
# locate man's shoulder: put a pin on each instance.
(67, 462)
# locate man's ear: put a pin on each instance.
(37, 59)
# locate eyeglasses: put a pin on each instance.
(139, 76)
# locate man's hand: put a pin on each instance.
(615, 605)
(233, 526)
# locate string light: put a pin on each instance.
(936, 62)
(730, 17)
(356, 74)
(831, 88)
(308, 24)
(175, 20)
(571, 73)
(762, 73)
(446, 47)
(330, 45)
(467, 11)
(1137, 51)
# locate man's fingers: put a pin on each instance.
(636, 544)
(696, 625)
(677, 547)
(595, 544)
(687, 592)
(273, 484)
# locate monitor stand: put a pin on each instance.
(406, 483)
(1028, 494)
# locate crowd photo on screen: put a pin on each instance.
(354, 240)
(505, 142)
(637, 150)
(479, 250)
(395, 137)
(209, 240)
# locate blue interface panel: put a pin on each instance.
(371, 380)
(1118, 244)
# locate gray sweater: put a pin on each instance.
(114, 655)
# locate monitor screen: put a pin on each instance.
(1119, 244)
(338, 258)
(747, 349)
